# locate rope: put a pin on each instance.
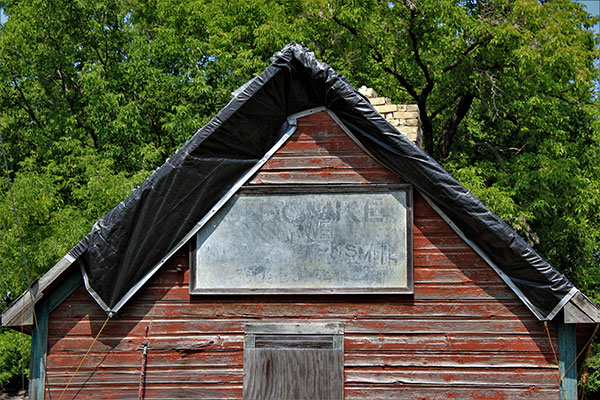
(84, 356)
(560, 376)
(586, 365)
(582, 350)
(12, 197)
(35, 320)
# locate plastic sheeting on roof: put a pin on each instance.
(126, 245)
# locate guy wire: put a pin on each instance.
(12, 198)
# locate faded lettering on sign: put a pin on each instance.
(296, 241)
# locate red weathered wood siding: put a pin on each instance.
(462, 335)
(320, 152)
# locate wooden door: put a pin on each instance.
(294, 361)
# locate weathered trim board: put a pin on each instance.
(39, 336)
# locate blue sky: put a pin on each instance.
(593, 7)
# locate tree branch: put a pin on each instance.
(456, 63)
(494, 150)
(415, 46)
(559, 97)
(377, 56)
(443, 107)
(451, 125)
(408, 87)
(25, 106)
(348, 27)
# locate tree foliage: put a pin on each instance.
(14, 358)
(96, 94)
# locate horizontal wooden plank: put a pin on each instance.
(513, 377)
(421, 342)
(422, 291)
(476, 275)
(146, 328)
(352, 342)
(183, 344)
(419, 326)
(426, 225)
(317, 118)
(167, 391)
(395, 359)
(308, 163)
(328, 139)
(440, 242)
(319, 130)
(430, 268)
(486, 361)
(448, 258)
(313, 328)
(504, 377)
(321, 308)
(319, 126)
(422, 209)
(156, 358)
(326, 175)
(351, 392)
(154, 376)
(394, 392)
(449, 342)
(449, 359)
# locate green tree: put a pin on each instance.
(96, 94)
(506, 97)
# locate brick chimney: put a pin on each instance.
(403, 117)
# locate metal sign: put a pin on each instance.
(351, 241)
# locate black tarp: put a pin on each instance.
(125, 245)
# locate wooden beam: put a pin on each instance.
(312, 328)
(581, 310)
(574, 315)
(20, 312)
(567, 354)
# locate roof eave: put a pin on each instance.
(581, 310)
(20, 312)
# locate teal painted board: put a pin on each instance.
(39, 341)
(567, 353)
(39, 337)
(64, 290)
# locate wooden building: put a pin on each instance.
(325, 274)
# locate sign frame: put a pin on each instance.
(318, 189)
